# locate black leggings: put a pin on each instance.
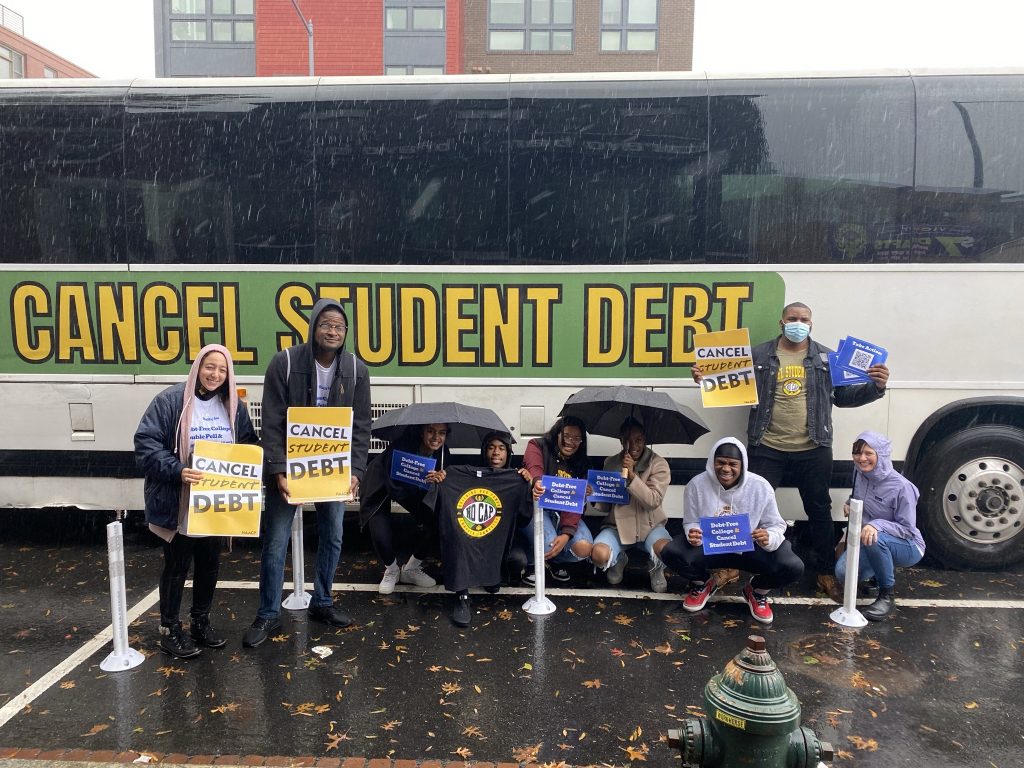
(382, 531)
(770, 569)
(179, 553)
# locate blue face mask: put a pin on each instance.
(796, 332)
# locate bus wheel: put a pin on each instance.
(972, 507)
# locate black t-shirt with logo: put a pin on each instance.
(477, 510)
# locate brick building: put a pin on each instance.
(399, 37)
(20, 57)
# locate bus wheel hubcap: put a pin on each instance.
(984, 500)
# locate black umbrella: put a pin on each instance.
(603, 409)
(468, 425)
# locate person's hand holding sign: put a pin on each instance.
(695, 537)
(879, 374)
(191, 476)
(282, 486)
(760, 537)
(697, 373)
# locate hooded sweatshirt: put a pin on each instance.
(291, 381)
(752, 495)
(890, 500)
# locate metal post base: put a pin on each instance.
(852, 618)
(296, 601)
(539, 606)
(119, 662)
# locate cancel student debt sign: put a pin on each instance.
(319, 448)
(589, 323)
(228, 500)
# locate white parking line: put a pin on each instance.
(624, 594)
(40, 686)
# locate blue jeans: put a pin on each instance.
(880, 559)
(277, 532)
(550, 532)
(610, 538)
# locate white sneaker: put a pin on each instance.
(391, 574)
(413, 573)
(658, 581)
(617, 569)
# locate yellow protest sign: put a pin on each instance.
(728, 369)
(228, 500)
(319, 447)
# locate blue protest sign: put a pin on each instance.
(856, 356)
(608, 486)
(411, 469)
(726, 534)
(842, 377)
(563, 494)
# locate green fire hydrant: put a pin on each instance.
(753, 719)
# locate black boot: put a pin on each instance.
(882, 607)
(174, 641)
(204, 634)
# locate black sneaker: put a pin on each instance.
(461, 615)
(259, 631)
(558, 574)
(174, 641)
(204, 634)
(330, 615)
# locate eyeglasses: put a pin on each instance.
(572, 440)
(334, 327)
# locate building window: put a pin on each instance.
(412, 69)
(49, 73)
(530, 25)
(189, 31)
(189, 7)
(231, 7)
(245, 32)
(629, 25)
(12, 64)
(418, 15)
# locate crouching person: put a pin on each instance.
(640, 522)
(727, 488)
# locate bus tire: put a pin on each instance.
(972, 498)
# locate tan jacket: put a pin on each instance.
(643, 512)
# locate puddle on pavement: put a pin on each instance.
(847, 657)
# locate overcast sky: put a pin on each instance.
(114, 38)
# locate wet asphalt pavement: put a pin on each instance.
(600, 681)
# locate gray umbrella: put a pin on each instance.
(603, 409)
(468, 424)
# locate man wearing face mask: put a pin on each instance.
(789, 432)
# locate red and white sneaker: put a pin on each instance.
(699, 595)
(758, 605)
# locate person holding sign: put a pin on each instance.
(754, 543)
(388, 481)
(889, 536)
(318, 373)
(789, 431)
(640, 520)
(561, 452)
(205, 407)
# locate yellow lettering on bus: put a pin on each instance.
(197, 320)
(501, 320)
(159, 302)
(116, 318)
(379, 323)
(231, 318)
(457, 325)
(290, 300)
(74, 324)
(733, 296)
(419, 325)
(28, 301)
(339, 293)
(645, 324)
(605, 324)
(689, 309)
(543, 298)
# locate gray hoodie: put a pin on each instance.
(752, 495)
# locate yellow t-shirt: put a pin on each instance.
(787, 430)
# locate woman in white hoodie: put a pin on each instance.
(727, 488)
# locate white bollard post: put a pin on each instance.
(538, 605)
(848, 615)
(122, 657)
(299, 598)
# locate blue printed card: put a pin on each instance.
(563, 494)
(411, 469)
(608, 486)
(726, 534)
